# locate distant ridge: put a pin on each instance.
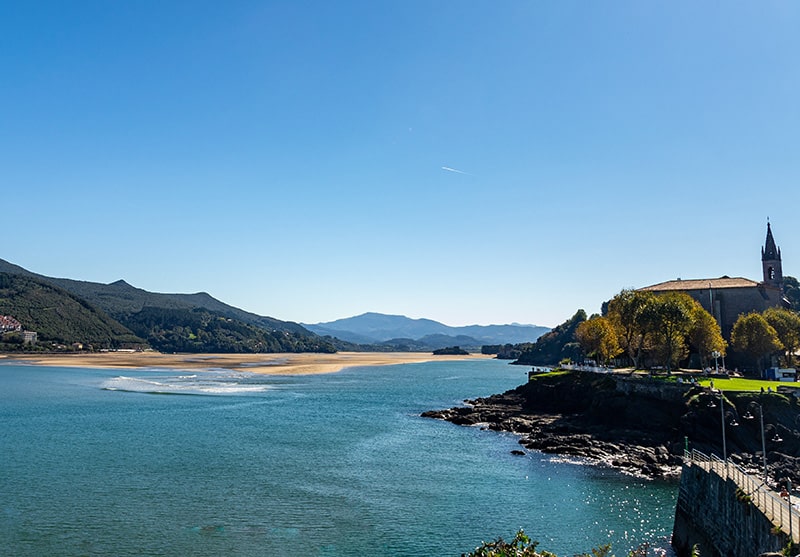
(376, 328)
(119, 297)
(183, 322)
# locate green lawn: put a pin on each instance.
(739, 384)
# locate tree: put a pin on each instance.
(598, 339)
(753, 335)
(669, 317)
(787, 324)
(626, 312)
(791, 290)
(705, 335)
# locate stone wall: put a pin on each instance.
(730, 303)
(652, 388)
(710, 515)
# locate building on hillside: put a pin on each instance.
(727, 298)
(9, 324)
(30, 337)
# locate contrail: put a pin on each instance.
(457, 171)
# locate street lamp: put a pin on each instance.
(749, 416)
(716, 355)
(722, 425)
(789, 501)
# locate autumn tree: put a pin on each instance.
(669, 317)
(787, 325)
(626, 311)
(753, 335)
(598, 339)
(705, 335)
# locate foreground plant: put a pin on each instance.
(520, 546)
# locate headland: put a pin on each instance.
(637, 423)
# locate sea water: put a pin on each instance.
(208, 463)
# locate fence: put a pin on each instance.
(770, 503)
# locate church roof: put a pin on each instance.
(701, 284)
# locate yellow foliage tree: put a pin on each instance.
(598, 338)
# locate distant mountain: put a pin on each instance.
(376, 328)
(183, 322)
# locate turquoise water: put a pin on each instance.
(99, 462)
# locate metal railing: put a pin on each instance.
(770, 503)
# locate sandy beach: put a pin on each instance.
(275, 364)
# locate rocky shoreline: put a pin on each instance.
(638, 425)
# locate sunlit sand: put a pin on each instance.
(275, 364)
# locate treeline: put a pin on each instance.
(198, 330)
(668, 330)
(652, 330)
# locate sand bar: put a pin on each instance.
(275, 364)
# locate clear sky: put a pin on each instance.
(469, 161)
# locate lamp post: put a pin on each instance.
(722, 425)
(789, 501)
(749, 416)
(722, 421)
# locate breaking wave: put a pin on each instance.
(202, 384)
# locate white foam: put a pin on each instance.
(200, 384)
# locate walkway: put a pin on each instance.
(777, 510)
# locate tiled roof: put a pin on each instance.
(702, 284)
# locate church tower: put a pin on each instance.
(771, 261)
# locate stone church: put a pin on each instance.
(727, 298)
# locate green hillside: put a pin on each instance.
(552, 347)
(199, 330)
(168, 322)
(58, 316)
(120, 300)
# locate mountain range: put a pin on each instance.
(65, 311)
(379, 328)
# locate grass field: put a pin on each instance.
(739, 384)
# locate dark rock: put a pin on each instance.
(635, 423)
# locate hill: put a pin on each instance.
(552, 347)
(120, 300)
(178, 322)
(199, 330)
(376, 328)
(59, 316)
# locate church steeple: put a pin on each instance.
(771, 261)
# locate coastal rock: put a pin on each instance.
(637, 424)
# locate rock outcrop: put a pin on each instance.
(638, 424)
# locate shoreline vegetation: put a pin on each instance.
(270, 364)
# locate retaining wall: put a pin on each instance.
(721, 522)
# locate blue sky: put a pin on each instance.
(291, 158)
